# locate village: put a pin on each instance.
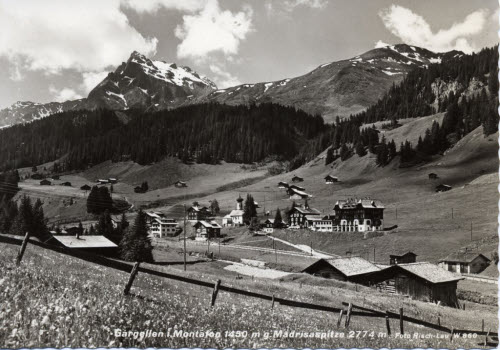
(200, 225)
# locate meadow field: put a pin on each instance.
(58, 301)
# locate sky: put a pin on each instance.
(55, 50)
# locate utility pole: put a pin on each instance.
(184, 237)
(374, 255)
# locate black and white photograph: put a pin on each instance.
(249, 174)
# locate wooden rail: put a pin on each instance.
(353, 310)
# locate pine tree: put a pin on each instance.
(39, 225)
(278, 221)
(249, 210)
(136, 243)
(382, 153)
(24, 220)
(344, 152)
(360, 149)
(105, 225)
(329, 156)
(214, 207)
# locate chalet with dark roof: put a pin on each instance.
(330, 179)
(421, 281)
(299, 215)
(443, 188)
(403, 258)
(206, 230)
(465, 262)
(353, 269)
(198, 213)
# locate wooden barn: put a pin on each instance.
(420, 281)
(67, 183)
(433, 176)
(92, 244)
(404, 258)
(296, 178)
(45, 182)
(465, 262)
(329, 179)
(85, 188)
(443, 188)
(180, 184)
(282, 184)
(353, 269)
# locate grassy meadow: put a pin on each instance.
(58, 301)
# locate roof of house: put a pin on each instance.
(365, 203)
(300, 188)
(211, 224)
(430, 272)
(331, 177)
(198, 208)
(300, 193)
(443, 185)
(400, 254)
(307, 211)
(236, 212)
(352, 266)
(463, 257)
(155, 214)
(269, 220)
(85, 242)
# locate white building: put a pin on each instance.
(161, 226)
(235, 217)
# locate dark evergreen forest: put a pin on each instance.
(206, 133)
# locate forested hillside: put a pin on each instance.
(206, 133)
(466, 88)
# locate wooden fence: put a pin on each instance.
(350, 311)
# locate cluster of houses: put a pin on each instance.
(298, 192)
(47, 182)
(351, 215)
(418, 280)
(404, 275)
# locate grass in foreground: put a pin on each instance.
(57, 301)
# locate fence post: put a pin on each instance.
(340, 318)
(401, 326)
(451, 335)
(23, 248)
(387, 324)
(133, 273)
(482, 325)
(486, 338)
(348, 315)
(272, 305)
(215, 292)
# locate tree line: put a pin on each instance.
(205, 133)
